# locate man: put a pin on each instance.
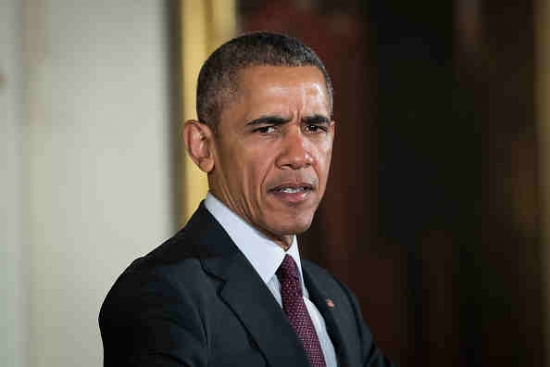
(230, 288)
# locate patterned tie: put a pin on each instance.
(296, 311)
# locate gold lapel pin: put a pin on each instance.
(330, 303)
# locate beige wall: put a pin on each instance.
(13, 285)
(85, 166)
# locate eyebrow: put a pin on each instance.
(268, 120)
(279, 120)
(316, 119)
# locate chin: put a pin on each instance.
(292, 226)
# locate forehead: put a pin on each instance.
(259, 83)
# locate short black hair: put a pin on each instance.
(218, 78)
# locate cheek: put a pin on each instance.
(258, 173)
(324, 154)
(253, 169)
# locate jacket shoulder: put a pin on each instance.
(324, 278)
(172, 270)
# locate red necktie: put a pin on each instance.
(296, 311)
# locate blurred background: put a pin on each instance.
(436, 210)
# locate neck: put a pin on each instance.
(284, 242)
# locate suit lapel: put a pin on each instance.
(332, 317)
(249, 298)
(256, 307)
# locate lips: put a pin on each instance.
(292, 193)
(292, 188)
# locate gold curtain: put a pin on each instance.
(204, 25)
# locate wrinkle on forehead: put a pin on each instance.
(306, 97)
(308, 78)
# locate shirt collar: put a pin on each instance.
(264, 254)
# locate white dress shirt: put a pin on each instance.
(266, 257)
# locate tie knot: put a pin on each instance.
(288, 271)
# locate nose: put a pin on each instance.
(296, 151)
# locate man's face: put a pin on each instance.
(273, 149)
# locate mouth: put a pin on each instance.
(292, 193)
(292, 188)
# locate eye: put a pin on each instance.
(315, 128)
(264, 129)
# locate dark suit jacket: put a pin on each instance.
(197, 301)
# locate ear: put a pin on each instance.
(198, 138)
